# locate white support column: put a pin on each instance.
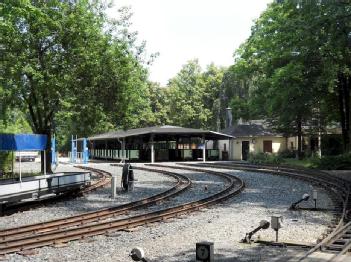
(20, 166)
(203, 149)
(319, 144)
(152, 149)
(229, 149)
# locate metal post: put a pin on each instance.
(114, 186)
(72, 149)
(319, 144)
(76, 149)
(85, 151)
(203, 149)
(276, 235)
(13, 163)
(315, 193)
(44, 162)
(53, 151)
(152, 149)
(229, 149)
(20, 166)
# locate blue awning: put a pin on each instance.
(22, 142)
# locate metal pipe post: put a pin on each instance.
(276, 235)
(20, 166)
(85, 151)
(203, 149)
(44, 162)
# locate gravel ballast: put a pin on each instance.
(148, 184)
(174, 240)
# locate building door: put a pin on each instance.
(245, 149)
(267, 146)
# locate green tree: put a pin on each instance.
(212, 79)
(296, 58)
(70, 68)
(159, 99)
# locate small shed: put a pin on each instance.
(254, 137)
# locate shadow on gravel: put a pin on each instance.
(251, 253)
(102, 199)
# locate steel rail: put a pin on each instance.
(236, 185)
(182, 183)
(105, 179)
(22, 206)
(339, 187)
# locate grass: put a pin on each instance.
(306, 163)
(16, 175)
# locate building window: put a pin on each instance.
(225, 147)
(267, 146)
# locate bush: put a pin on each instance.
(264, 158)
(338, 162)
(288, 154)
(5, 161)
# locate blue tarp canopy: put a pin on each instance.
(22, 142)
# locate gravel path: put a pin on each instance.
(224, 224)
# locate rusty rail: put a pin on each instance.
(336, 241)
(235, 186)
(182, 183)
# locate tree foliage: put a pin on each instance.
(70, 68)
(294, 69)
(194, 96)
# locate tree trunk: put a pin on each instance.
(299, 138)
(47, 152)
(347, 83)
(344, 109)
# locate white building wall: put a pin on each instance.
(256, 145)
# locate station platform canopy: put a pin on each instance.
(158, 143)
(23, 142)
(161, 133)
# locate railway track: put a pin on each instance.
(338, 241)
(104, 179)
(234, 186)
(182, 183)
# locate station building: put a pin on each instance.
(256, 136)
(253, 137)
(159, 143)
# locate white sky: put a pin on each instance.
(181, 30)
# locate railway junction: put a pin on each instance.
(174, 206)
(133, 159)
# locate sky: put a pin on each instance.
(181, 30)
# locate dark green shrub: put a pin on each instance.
(338, 162)
(257, 159)
(287, 154)
(5, 161)
(265, 159)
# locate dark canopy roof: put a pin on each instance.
(160, 131)
(22, 142)
(249, 130)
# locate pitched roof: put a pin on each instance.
(160, 130)
(249, 130)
